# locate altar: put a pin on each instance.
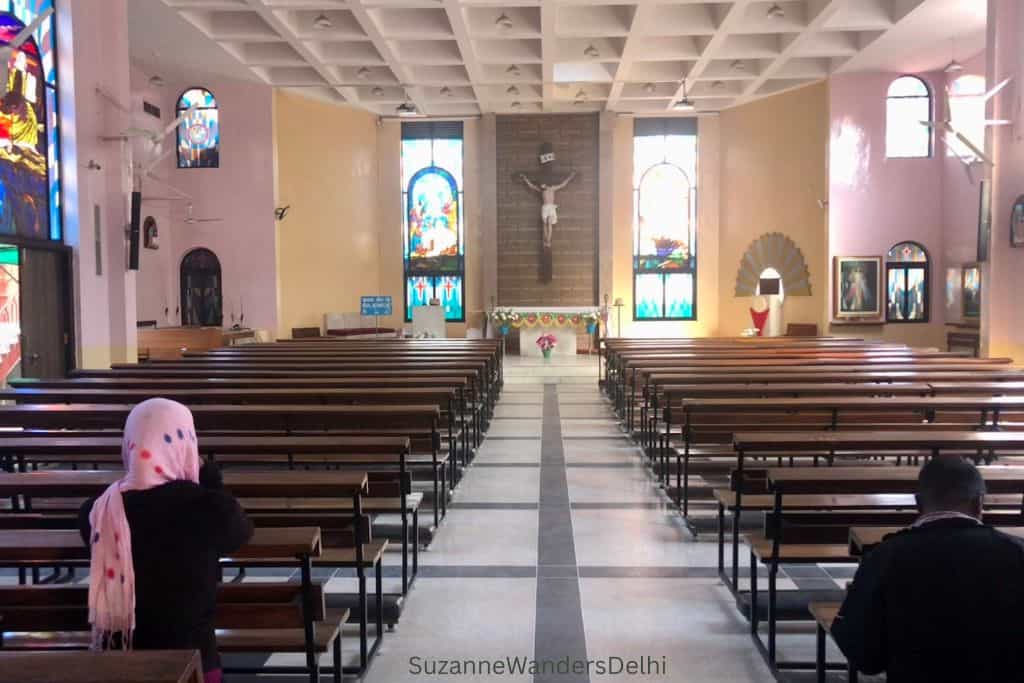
(564, 322)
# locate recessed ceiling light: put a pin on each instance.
(581, 96)
(377, 91)
(503, 21)
(738, 65)
(363, 73)
(776, 11)
(407, 108)
(515, 105)
(954, 67)
(512, 90)
(717, 84)
(513, 71)
(649, 88)
(156, 81)
(591, 51)
(445, 91)
(321, 21)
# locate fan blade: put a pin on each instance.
(995, 90)
(156, 160)
(969, 172)
(26, 33)
(998, 122)
(974, 149)
(174, 124)
(208, 220)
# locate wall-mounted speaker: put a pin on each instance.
(134, 230)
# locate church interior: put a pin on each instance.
(538, 340)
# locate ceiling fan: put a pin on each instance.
(24, 34)
(945, 126)
(190, 219)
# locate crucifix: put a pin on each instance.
(548, 210)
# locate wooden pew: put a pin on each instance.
(250, 618)
(419, 423)
(135, 666)
(801, 537)
(716, 419)
(344, 542)
(35, 548)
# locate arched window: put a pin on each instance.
(202, 300)
(199, 131)
(664, 219)
(434, 249)
(29, 168)
(967, 114)
(906, 276)
(908, 103)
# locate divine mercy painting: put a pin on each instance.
(856, 288)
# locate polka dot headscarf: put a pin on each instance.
(159, 446)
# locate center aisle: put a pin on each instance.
(558, 544)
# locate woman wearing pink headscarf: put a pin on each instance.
(155, 538)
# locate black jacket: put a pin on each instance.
(940, 602)
(179, 531)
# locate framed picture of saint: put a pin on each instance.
(1017, 223)
(856, 289)
(971, 287)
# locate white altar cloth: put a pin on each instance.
(566, 334)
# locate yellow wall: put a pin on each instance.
(773, 162)
(328, 245)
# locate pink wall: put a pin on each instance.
(93, 52)
(1003, 276)
(960, 203)
(241, 192)
(875, 202)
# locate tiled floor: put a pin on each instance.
(558, 491)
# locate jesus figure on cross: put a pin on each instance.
(548, 209)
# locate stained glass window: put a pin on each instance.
(433, 230)
(30, 197)
(907, 104)
(664, 219)
(906, 267)
(199, 131)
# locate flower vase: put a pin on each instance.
(546, 353)
(504, 330)
(591, 328)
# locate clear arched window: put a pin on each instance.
(906, 276)
(967, 114)
(908, 104)
(29, 126)
(199, 130)
(434, 249)
(664, 221)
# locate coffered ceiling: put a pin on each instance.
(464, 57)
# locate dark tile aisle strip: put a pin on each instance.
(559, 630)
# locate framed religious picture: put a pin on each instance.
(1017, 223)
(984, 220)
(971, 290)
(856, 288)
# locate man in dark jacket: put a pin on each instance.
(944, 599)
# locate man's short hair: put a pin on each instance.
(948, 482)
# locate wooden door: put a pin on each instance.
(45, 327)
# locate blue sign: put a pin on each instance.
(375, 305)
